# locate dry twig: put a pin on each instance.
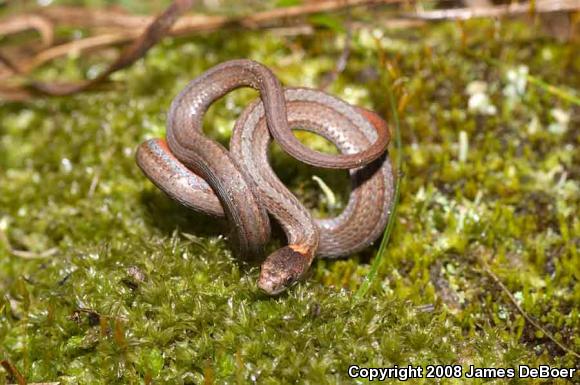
(26, 22)
(342, 60)
(143, 40)
(11, 369)
(78, 46)
(132, 29)
(542, 6)
(154, 32)
(131, 26)
(520, 310)
(262, 18)
(24, 253)
(83, 17)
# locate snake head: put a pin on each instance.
(281, 269)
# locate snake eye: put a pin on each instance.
(290, 281)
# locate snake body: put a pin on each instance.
(240, 184)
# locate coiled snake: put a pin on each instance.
(240, 184)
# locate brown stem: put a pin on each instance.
(11, 369)
(541, 6)
(342, 59)
(134, 26)
(520, 310)
(154, 32)
(22, 23)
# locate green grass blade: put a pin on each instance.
(560, 92)
(368, 280)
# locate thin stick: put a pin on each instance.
(183, 27)
(78, 46)
(154, 32)
(23, 253)
(544, 6)
(31, 255)
(25, 22)
(82, 17)
(520, 310)
(8, 63)
(11, 369)
(342, 60)
(75, 46)
(133, 26)
(310, 8)
(85, 17)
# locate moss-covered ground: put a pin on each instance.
(138, 289)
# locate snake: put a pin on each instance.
(239, 183)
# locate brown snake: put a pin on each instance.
(240, 184)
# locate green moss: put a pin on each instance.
(142, 289)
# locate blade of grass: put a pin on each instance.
(554, 90)
(560, 92)
(368, 280)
